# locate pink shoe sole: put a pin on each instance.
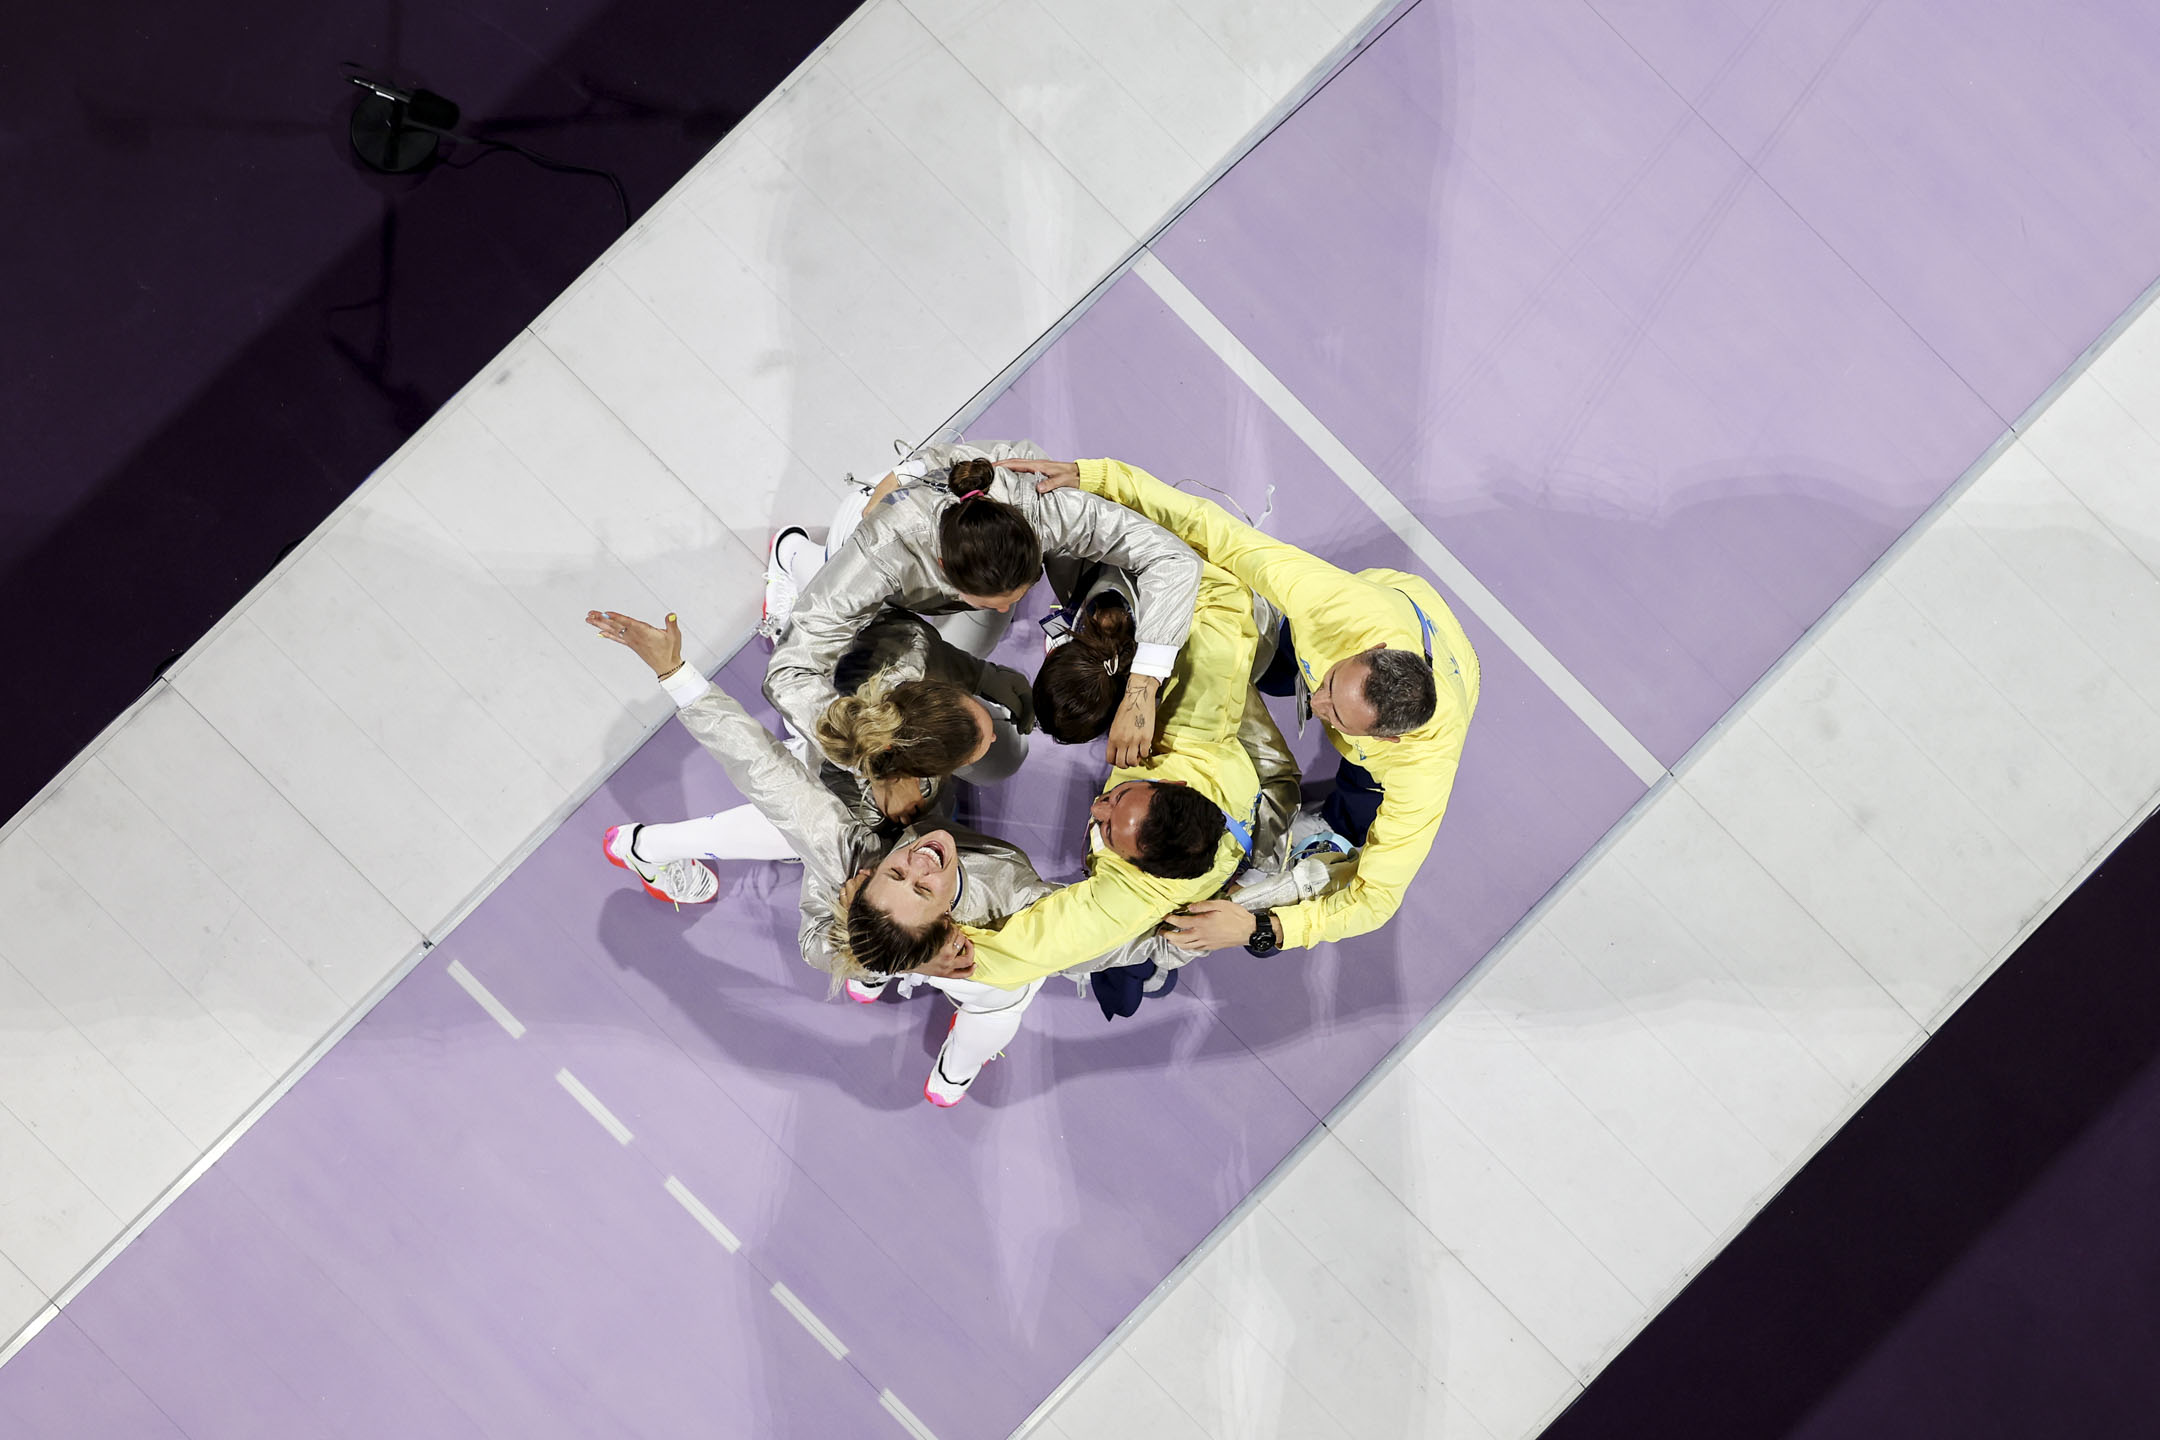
(942, 1104)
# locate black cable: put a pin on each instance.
(450, 111)
(622, 197)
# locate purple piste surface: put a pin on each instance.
(430, 1237)
(72, 1388)
(1656, 392)
(1535, 789)
(1987, 168)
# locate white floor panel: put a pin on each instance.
(189, 922)
(1699, 1141)
(322, 763)
(1552, 1143)
(2103, 442)
(234, 821)
(1489, 1219)
(1086, 116)
(634, 506)
(52, 1221)
(1129, 1402)
(1219, 1360)
(20, 1299)
(517, 661)
(993, 165)
(1891, 790)
(411, 710)
(116, 994)
(1952, 709)
(2068, 558)
(1849, 882)
(103, 1131)
(730, 458)
(1344, 1235)
(1767, 941)
(1726, 1034)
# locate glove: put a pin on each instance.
(1009, 688)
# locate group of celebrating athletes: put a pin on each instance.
(1174, 621)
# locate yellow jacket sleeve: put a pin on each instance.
(1069, 927)
(1401, 837)
(1294, 580)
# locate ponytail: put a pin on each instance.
(1078, 689)
(986, 546)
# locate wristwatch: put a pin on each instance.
(1263, 940)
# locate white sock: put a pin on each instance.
(801, 557)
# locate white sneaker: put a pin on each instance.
(681, 882)
(779, 586)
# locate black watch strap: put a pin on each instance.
(1263, 940)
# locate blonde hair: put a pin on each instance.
(909, 729)
(865, 941)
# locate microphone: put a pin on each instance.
(399, 131)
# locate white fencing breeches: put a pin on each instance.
(988, 1019)
(740, 833)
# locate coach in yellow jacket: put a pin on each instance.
(1377, 657)
(1198, 747)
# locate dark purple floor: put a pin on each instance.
(1531, 261)
(218, 325)
(1975, 1254)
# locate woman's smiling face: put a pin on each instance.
(916, 883)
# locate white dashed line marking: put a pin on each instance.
(703, 1216)
(905, 1416)
(485, 999)
(809, 1322)
(593, 1107)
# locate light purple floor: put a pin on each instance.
(1667, 320)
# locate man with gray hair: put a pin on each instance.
(1377, 657)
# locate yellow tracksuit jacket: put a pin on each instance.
(1198, 713)
(1334, 615)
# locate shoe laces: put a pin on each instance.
(676, 877)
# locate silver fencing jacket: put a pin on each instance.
(891, 560)
(901, 647)
(997, 879)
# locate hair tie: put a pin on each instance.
(971, 495)
(1110, 667)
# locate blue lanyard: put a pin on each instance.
(1243, 829)
(1425, 626)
